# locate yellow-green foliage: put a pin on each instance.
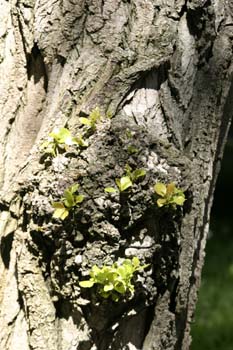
(93, 118)
(127, 180)
(134, 175)
(169, 194)
(116, 280)
(59, 141)
(69, 200)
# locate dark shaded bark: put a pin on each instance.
(164, 71)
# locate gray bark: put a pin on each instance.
(164, 71)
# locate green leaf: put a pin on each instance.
(108, 287)
(103, 294)
(48, 147)
(60, 212)
(118, 182)
(68, 199)
(120, 287)
(124, 183)
(64, 135)
(110, 190)
(135, 262)
(128, 170)
(115, 280)
(138, 173)
(160, 189)
(95, 270)
(129, 134)
(69, 141)
(122, 271)
(80, 141)
(131, 290)
(95, 115)
(85, 121)
(74, 188)
(86, 284)
(75, 141)
(61, 135)
(161, 202)
(57, 141)
(115, 297)
(58, 205)
(132, 150)
(64, 214)
(170, 193)
(179, 200)
(79, 199)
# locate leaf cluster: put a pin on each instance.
(69, 200)
(59, 141)
(169, 194)
(126, 181)
(93, 118)
(116, 280)
(134, 175)
(132, 149)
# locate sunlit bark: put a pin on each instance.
(163, 69)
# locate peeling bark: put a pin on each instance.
(164, 71)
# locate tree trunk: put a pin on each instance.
(163, 69)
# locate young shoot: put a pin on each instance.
(169, 195)
(126, 181)
(69, 201)
(114, 281)
(132, 149)
(134, 175)
(91, 121)
(59, 141)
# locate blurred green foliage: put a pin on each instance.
(213, 326)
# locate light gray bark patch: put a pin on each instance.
(143, 103)
(38, 307)
(26, 125)
(22, 119)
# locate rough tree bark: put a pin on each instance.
(164, 70)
